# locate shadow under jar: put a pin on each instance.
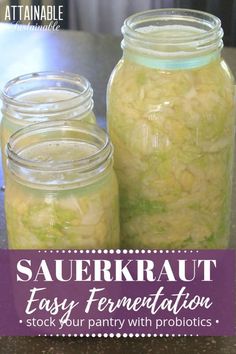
(171, 120)
(44, 96)
(61, 190)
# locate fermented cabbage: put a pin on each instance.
(39, 217)
(173, 134)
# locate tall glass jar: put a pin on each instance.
(61, 190)
(171, 120)
(44, 96)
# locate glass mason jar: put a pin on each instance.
(61, 190)
(171, 121)
(44, 96)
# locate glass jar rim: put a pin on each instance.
(207, 40)
(84, 91)
(84, 164)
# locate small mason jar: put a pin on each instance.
(171, 119)
(44, 96)
(61, 190)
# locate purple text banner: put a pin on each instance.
(117, 293)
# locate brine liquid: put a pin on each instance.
(58, 151)
(46, 96)
(170, 32)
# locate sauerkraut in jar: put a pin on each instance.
(61, 190)
(44, 96)
(171, 120)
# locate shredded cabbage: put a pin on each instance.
(86, 219)
(173, 134)
(76, 217)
